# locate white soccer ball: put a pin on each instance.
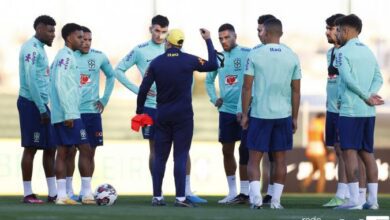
(105, 194)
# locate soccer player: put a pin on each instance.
(69, 129)
(172, 72)
(141, 56)
(90, 62)
(274, 71)
(359, 84)
(230, 77)
(34, 115)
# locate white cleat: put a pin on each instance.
(374, 206)
(256, 202)
(276, 205)
(227, 199)
(349, 206)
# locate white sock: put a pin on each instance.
(270, 190)
(278, 190)
(159, 198)
(354, 193)
(181, 199)
(232, 185)
(86, 186)
(61, 188)
(51, 185)
(244, 187)
(254, 192)
(69, 186)
(342, 188)
(188, 186)
(27, 188)
(372, 193)
(362, 195)
(347, 195)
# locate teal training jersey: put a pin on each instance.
(230, 78)
(360, 77)
(273, 67)
(141, 56)
(65, 87)
(34, 74)
(90, 65)
(332, 85)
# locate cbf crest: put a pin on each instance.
(91, 64)
(237, 64)
(83, 134)
(37, 136)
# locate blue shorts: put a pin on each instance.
(332, 129)
(33, 133)
(357, 133)
(70, 136)
(148, 131)
(270, 135)
(93, 126)
(229, 128)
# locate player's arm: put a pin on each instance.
(345, 71)
(210, 65)
(144, 88)
(246, 96)
(110, 82)
(377, 81)
(210, 87)
(121, 69)
(295, 94)
(32, 79)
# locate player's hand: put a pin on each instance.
(375, 100)
(244, 121)
(99, 106)
(205, 33)
(239, 117)
(294, 125)
(45, 118)
(218, 103)
(69, 123)
(152, 93)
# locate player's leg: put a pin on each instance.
(27, 169)
(279, 178)
(182, 137)
(70, 167)
(271, 171)
(189, 194)
(148, 132)
(48, 160)
(163, 143)
(254, 178)
(362, 182)
(85, 169)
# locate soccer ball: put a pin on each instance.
(105, 194)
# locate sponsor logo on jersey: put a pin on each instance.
(84, 79)
(272, 49)
(99, 134)
(231, 79)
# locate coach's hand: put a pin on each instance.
(45, 118)
(99, 106)
(244, 121)
(68, 123)
(294, 125)
(205, 33)
(218, 103)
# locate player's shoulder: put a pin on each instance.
(94, 51)
(245, 49)
(258, 47)
(30, 46)
(143, 45)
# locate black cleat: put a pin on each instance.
(253, 206)
(157, 202)
(185, 204)
(240, 199)
(267, 199)
(51, 199)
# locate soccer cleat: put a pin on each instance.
(374, 206)
(158, 202)
(185, 204)
(256, 202)
(267, 199)
(88, 200)
(334, 202)
(66, 201)
(32, 199)
(75, 198)
(51, 199)
(240, 199)
(196, 199)
(349, 206)
(276, 205)
(227, 199)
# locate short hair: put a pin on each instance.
(331, 21)
(160, 20)
(264, 18)
(273, 26)
(44, 19)
(350, 20)
(69, 28)
(226, 27)
(85, 29)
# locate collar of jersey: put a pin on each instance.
(38, 41)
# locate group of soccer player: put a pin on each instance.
(258, 104)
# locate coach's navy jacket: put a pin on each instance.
(173, 74)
